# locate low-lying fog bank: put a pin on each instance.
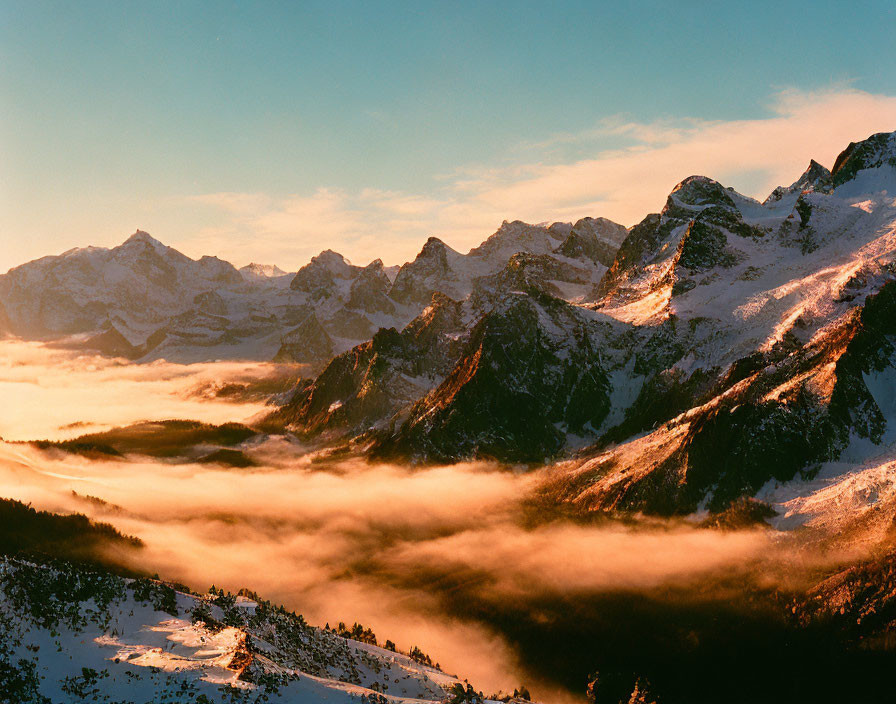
(467, 562)
(56, 394)
(454, 559)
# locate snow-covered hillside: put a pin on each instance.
(767, 334)
(71, 633)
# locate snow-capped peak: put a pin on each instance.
(433, 247)
(254, 271)
(333, 261)
(518, 236)
(815, 177)
(144, 239)
(698, 191)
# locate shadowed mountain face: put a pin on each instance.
(528, 374)
(29, 533)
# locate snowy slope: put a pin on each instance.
(70, 631)
(760, 351)
(253, 272)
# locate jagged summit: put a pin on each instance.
(879, 150)
(436, 267)
(698, 191)
(319, 276)
(594, 239)
(254, 270)
(815, 177)
(205, 308)
(143, 238)
(606, 229)
(332, 260)
(813, 173)
(706, 236)
(517, 236)
(433, 247)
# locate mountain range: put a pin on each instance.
(144, 301)
(729, 342)
(687, 361)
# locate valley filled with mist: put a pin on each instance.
(447, 353)
(441, 557)
(580, 462)
(476, 564)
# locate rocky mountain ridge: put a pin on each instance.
(723, 328)
(728, 343)
(145, 301)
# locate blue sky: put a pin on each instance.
(267, 131)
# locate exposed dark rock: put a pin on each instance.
(308, 341)
(594, 239)
(520, 384)
(318, 277)
(815, 178)
(514, 237)
(523, 272)
(876, 151)
(370, 290)
(370, 382)
(703, 247)
(416, 281)
(742, 438)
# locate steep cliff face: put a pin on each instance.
(325, 275)
(307, 342)
(517, 236)
(370, 290)
(528, 376)
(369, 383)
(815, 178)
(436, 268)
(595, 239)
(876, 152)
(700, 229)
